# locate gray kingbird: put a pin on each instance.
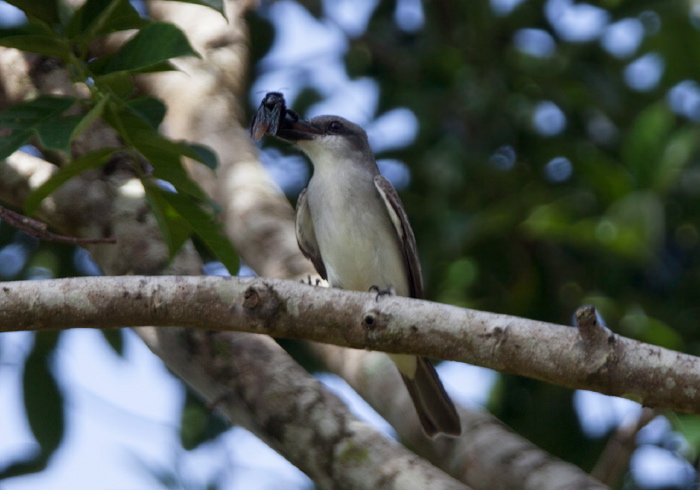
(352, 225)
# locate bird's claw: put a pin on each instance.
(382, 292)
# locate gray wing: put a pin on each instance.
(306, 236)
(405, 233)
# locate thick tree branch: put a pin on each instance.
(654, 376)
(256, 384)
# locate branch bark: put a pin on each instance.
(257, 385)
(488, 455)
(652, 375)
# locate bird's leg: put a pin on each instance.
(390, 291)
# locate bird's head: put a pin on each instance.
(327, 138)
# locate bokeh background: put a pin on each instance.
(547, 155)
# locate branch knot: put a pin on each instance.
(374, 320)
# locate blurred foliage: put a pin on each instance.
(44, 405)
(199, 422)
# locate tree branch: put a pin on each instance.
(261, 388)
(488, 455)
(40, 230)
(614, 461)
(654, 376)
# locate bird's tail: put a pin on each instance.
(436, 412)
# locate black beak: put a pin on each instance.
(294, 129)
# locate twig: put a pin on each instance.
(615, 458)
(40, 230)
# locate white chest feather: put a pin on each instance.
(356, 238)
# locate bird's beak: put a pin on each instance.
(294, 129)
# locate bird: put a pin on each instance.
(351, 224)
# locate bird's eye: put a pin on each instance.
(335, 126)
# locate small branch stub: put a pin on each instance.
(251, 298)
(262, 301)
(589, 328)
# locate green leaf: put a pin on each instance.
(637, 324)
(150, 109)
(637, 225)
(43, 401)
(43, 404)
(36, 117)
(41, 44)
(115, 339)
(121, 84)
(174, 228)
(217, 5)
(603, 173)
(56, 133)
(677, 154)
(98, 17)
(206, 227)
(689, 426)
(199, 423)
(164, 155)
(644, 143)
(203, 154)
(90, 160)
(154, 44)
(24, 466)
(90, 116)
(551, 221)
(46, 10)
(31, 27)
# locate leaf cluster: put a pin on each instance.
(180, 206)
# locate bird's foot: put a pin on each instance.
(382, 292)
(309, 281)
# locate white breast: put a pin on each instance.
(355, 236)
